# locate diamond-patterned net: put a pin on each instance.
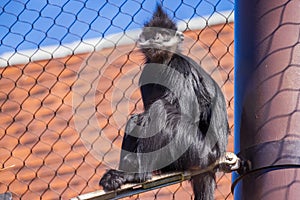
(67, 87)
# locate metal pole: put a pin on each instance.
(267, 99)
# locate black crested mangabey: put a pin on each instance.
(184, 125)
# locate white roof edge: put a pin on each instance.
(86, 46)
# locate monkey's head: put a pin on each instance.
(160, 38)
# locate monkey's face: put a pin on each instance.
(159, 44)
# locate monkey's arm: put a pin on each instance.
(129, 165)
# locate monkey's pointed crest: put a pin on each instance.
(161, 19)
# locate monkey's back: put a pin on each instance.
(183, 85)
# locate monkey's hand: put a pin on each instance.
(112, 179)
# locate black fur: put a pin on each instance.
(161, 19)
(184, 120)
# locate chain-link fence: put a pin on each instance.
(69, 80)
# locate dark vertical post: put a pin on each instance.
(267, 98)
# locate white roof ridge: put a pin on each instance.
(89, 45)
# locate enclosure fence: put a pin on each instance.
(69, 81)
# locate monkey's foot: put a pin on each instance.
(229, 162)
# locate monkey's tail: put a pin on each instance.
(204, 186)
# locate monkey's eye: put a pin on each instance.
(158, 36)
(162, 36)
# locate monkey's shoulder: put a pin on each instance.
(181, 70)
(186, 65)
(190, 68)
